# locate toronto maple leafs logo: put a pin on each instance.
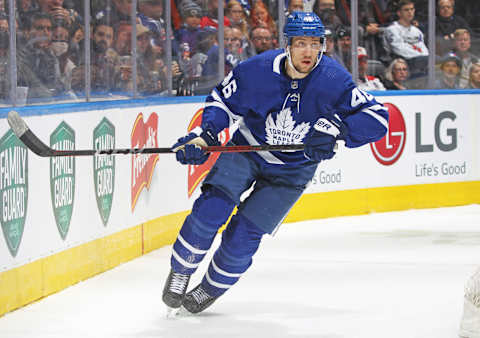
(283, 129)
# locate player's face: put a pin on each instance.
(304, 52)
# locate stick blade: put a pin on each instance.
(17, 124)
(25, 135)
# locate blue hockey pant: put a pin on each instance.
(273, 195)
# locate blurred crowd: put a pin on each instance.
(392, 51)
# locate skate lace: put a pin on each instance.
(200, 295)
(178, 283)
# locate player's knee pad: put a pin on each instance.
(210, 211)
(240, 241)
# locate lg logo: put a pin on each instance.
(389, 149)
(448, 143)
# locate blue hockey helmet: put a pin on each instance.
(303, 24)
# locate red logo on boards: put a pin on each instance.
(388, 150)
(144, 135)
(196, 173)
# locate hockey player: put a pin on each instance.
(291, 96)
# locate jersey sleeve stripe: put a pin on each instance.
(276, 62)
(219, 104)
(376, 116)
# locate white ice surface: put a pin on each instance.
(398, 274)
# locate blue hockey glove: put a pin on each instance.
(189, 149)
(320, 145)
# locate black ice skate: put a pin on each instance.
(197, 300)
(174, 290)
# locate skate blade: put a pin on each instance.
(182, 312)
(172, 312)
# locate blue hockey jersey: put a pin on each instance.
(271, 108)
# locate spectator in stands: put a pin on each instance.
(4, 61)
(123, 38)
(403, 39)
(381, 12)
(240, 44)
(123, 75)
(4, 35)
(365, 81)
(344, 45)
(76, 44)
(26, 5)
(38, 67)
(260, 17)
(326, 11)
(115, 12)
(330, 47)
(60, 45)
(237, 16)
(150, 13)
(374, 21)
(58, 12)
(25, 9)
(190, 31)
(210, 20)
(462, 45)
(146, 59)
(450, 72)
(447, 23)
(210, 69)
(231, 50)
(261, 39)
(474, 80)
(294, 6)
(102, 60)
(208, 44)
(396, 75)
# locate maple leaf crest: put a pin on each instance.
(283, 130)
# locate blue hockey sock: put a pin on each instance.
(240, 241)
(210, 211)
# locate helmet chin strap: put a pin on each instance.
(300, 75)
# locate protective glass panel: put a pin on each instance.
(337, 21)
(5, 83)
(49, 34)
(198, 51)
(457, 45)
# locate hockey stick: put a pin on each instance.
(33, 143)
